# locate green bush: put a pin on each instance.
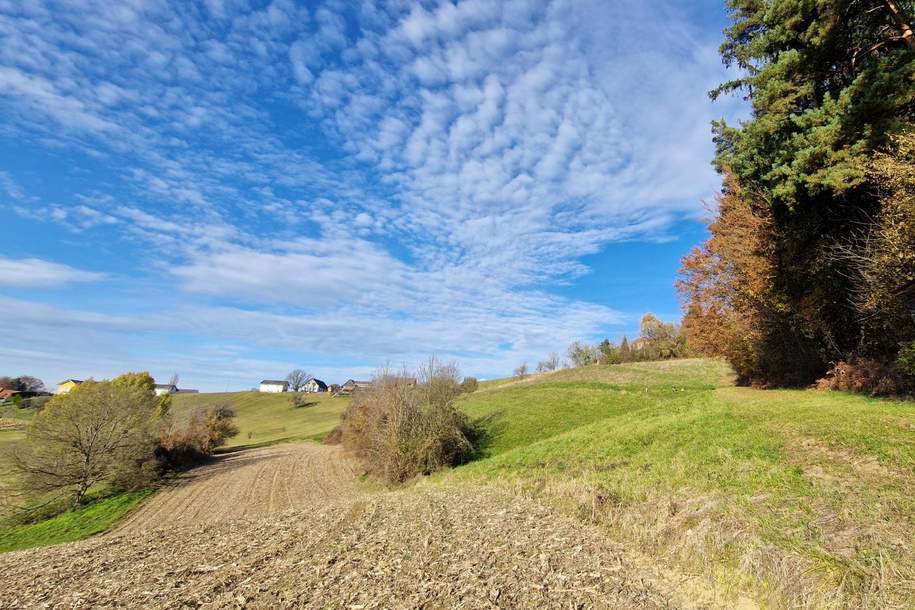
(906, 358)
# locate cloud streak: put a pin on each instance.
(37, 273)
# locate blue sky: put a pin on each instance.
(230, 189)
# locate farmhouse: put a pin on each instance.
(314, 385)
(165, 388)
(68, 384)
(6, 394)
(273, 385)
(352, 385)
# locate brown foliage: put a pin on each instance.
(190, 443)
(469, 385)
(868, 376)
(399, 428)
(733, 307)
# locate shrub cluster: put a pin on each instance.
(112, 434)
(207, 428)
(868, 376)
(469, 385)
(400, 428)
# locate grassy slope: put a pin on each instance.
(807, 495)
(72, 525)
(265, 418)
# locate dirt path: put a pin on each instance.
(288, 527)
(250, 483)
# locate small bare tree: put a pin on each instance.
(521, 371)
(297, 378)
(173, 380)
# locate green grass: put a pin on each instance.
(737, 482)
(72, 525)
(265, 418)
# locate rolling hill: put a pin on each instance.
(804, 495)
(264, 418)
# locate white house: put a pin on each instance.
(314, 385)
(165, 388)
(272, 385)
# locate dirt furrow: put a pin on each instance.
(415, 548)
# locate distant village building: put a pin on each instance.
(273, 385)
(333, 389)
(180, 391)
(165, 388)
(68, 384)
(314, 385)
(351, 385)
(7, 395)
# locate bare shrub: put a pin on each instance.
(190, 443)
(400, 429)
(521, 372)
(469, 385)
(867, 376)
(582, 354)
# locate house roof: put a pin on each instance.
(66, 380)
(274, 382)
(318, 381)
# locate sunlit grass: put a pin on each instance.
(672, 458)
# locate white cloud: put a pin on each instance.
(450, 165)
(37, 273)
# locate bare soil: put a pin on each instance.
(290, 526)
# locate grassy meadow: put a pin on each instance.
(805, 496)
(265, 418)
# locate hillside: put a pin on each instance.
(806, 494)
(265, 418)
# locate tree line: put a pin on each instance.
(809, 271)
(657, 340)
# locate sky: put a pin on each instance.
(230, 189)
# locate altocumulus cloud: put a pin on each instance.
(358, 181)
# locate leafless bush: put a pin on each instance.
(867, 376)
(469, 385)
(582, 354)
(399, 428)
(521, 372)
(191, 442)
